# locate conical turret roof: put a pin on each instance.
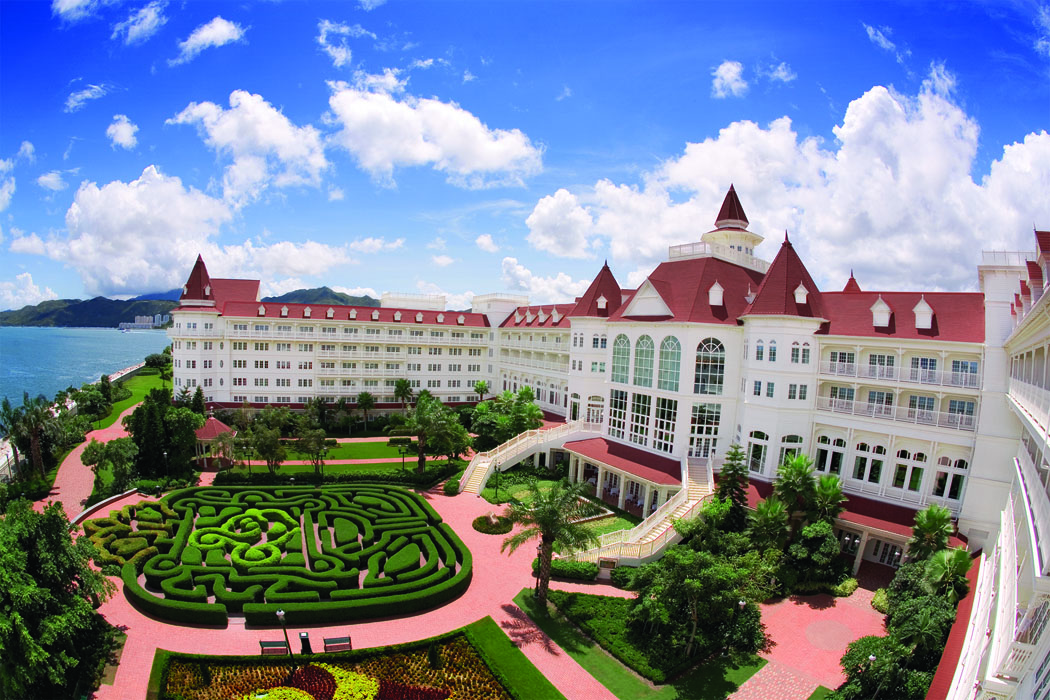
(851, 284)
(198, 286)
(731, 215)
(778, 295)
(604, 286)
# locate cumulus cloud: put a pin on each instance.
(541, 290)
(217, 32)
(453, 301)
(23, 292)
(332, 37)
(485, 242)
(265, 146)
(336, 194)
(560, 226)
(122, 132)
(469, 77)
(29, 245)
(76, 10)
(880, 36)
(728, 80)
(27, 152)
(78, 99)
(358, 291)
(897, 179)
(782, 73)
(376, 244)
(384, 132)
(141, 24)
(442, 260)
(52, 181)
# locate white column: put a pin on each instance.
(646, 488)
(859, 557)
(621, 497)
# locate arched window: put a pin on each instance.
(950, 478)
(772, 351)
(757, 444)
(574, 410)
(595, 409)
(867, 465)
(670, 361)
(710, 367)
(643, 361)
(830, 454)
(760, 350)
(790, 445)
(908, 471)
(621, 359)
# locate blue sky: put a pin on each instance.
(478, 147)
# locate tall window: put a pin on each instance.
(868, 464)
(710, 367)
(760, 351)
(790, 445)
(621, 359)
(617, 412)
(643, 361)
(595, 409)
(641, 404)
(703, 429)
(756, 450)
(663, 432)
(670, 361)
(772, 351)
(908, 471)
(830, 454)
(950, 478)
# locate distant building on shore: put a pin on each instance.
(145, 322)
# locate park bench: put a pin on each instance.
(273, 648)
(337, 644)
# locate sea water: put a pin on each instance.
(47, 360)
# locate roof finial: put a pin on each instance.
(786, 236)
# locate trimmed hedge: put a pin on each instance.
(565, 568)
(622, 575)
(501, 526)
(399, 441)
(431, 476)
(880, 601)
(451, 487)
(846, 588)
(173, 610)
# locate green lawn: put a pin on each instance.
(509, 663)
(328, 468)
(360, 450)
(140, 385)
(820, 693)
(714, 680)
(511, 491)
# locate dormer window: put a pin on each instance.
(284, 312)
(880, 313)
(330, 313)
(542, 316)
(923, 315)
(352, 315)
(441, 318)
(419, 317)
(715, 295)
(603, 303)
(517, 317)
(750, 296)
(375, 315)
(185, 289)
(800, 294)
(262, 310)
(306, 312)
(207, 290)
(397, 317)
(555, 316)
(529, 316)
(461, 319)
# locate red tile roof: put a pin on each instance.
(684, 286)
(851, 284)
(942, 679)
(957, 316)
(1042, 241)
(1034, 271)
(604, 285)
(548, 322)
(213, 428)
(644, 465)
(319, 314)
(198, 286)
(731, 209)
(776, 296)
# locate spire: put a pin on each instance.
(198, 286)
(731, 215)
(604, 287)
(851, 284)
(787, 289)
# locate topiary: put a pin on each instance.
(492, 525)
(451, 487)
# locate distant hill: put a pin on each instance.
(170, 295)
(99, 312)
(323, 295)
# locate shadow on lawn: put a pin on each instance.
(523, 632)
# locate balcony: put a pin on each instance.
(911, 375)
(939, 419)
(1033, 400)
(193, 333)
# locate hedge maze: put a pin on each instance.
(345, 552)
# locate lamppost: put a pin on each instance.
(324, 453)
(280, 617)
(539, 566)
(167, 472)
(496, 476)
(403, 449)
(740, 604)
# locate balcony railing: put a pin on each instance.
(957, 421)
(1034, 400)
(913, 375)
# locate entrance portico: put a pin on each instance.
(631, 479)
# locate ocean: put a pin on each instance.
(47, 360)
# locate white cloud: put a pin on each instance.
(332, 37)
(469, 77)
(560, 226)
(566, 93)
(423, 63)
(358, 291)
(880, 36)
(122, 132)
(217, 32)
(78, 99)
(30, 245)
(442, 260)
(782, 73)
(52, 181)
(76, 10)
(23, 292)
(6, 165)
(728, 80)
(437, 244)
(383, 132)
(335, 194)
(1042, 27)
(541, 290)
(266, 147)
(893, 196)
(27, 151)
(369, 5)
(7, 190)
(454, 302)
(141, 24)
(485, 242)
(375, 244)
(389, 81)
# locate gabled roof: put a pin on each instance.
(198, 286)
(213, 428)
(1034, 271)
(201, 287)
(521, 315)
(640, 463)
(732, 212)
(684, 285)
(604, 285)
(851, 284)
(318, 315)
(957, 316)
(776, 296)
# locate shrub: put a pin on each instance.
(622, 575)
(880, 601)
(566, 568)
(492, 525)
(451, 487)
(398, 441)
(844, 589)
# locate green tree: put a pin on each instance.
(481, 388)
(313, 442)
(181, 426)
(812, 556)
(733, 481)
(105, 388)
(146, 428)
(552, 516)
(930, 533)
(158, 360)
(36, 420)
(91, 403)
(768, 525)
(403, 392)
(366, 402)
(268, 445)
(431, 423)
(509, 414)
(827, 501)
(794, 486)
(51, 637)
(887, 676)
(165, 375)
(197, 404)
(922, 625)
(946, 572)
(116, 456)
(10, 419)
(184, 398)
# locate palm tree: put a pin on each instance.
(769, 524)
(946, 572)
(552, 516)
(794, 486)
(36, 419)
(9, 426)
(828, 500)
(481, 388)
(930, 533)
(366, 402)
(403, 392)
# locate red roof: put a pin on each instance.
(548, 322)
(1034, 271)
(731, 210)
(942, 679)
(776, 296)
(319, 314)
(201, 286)
(198, 286)
(851, 284)
(957, 316)
(604, 285)
(1025, 291)
(213, 428)
(684, 285)
(1042, 241)
(644, 465)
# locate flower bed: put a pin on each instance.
(492, 525)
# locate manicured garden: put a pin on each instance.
(477, 662)
(139, 384)
(202, 553)
(360, 450)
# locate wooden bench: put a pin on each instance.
(337, 644)
(274, 648)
